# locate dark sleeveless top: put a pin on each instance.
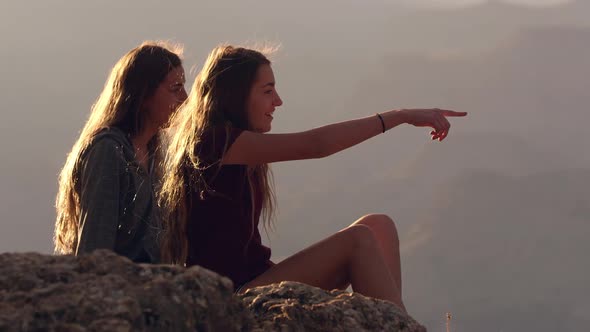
(222, 235)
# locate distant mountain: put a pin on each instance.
(474, 27)
(519, 239)
(535, 86)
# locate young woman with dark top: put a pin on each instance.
(106, 197)
(218, 184)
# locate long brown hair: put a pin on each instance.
(134, 78)
(217, 99)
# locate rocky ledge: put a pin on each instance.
(105, 292)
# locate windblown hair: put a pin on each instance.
(135, 77)
(217, 100)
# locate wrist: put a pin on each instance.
(402, 115)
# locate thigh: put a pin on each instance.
(324, 264)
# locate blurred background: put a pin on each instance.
(493, 221)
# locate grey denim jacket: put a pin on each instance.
(118, 206)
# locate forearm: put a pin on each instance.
(336, 137)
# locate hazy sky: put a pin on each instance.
(493, 222)
(465, 3)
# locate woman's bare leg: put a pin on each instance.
(351, 255)
(386, 235)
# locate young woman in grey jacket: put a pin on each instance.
(106, 187)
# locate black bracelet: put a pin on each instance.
(382, 122)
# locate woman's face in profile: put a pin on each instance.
(262, 100)
(167, 97)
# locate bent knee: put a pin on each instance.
(379, 223)
(360, 235)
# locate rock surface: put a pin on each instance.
(291, 306)
(105, 292)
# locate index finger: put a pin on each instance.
(452, 113)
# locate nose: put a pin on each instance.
(278, 101)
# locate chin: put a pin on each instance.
(263, 129)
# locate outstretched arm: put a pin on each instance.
(252, 148)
